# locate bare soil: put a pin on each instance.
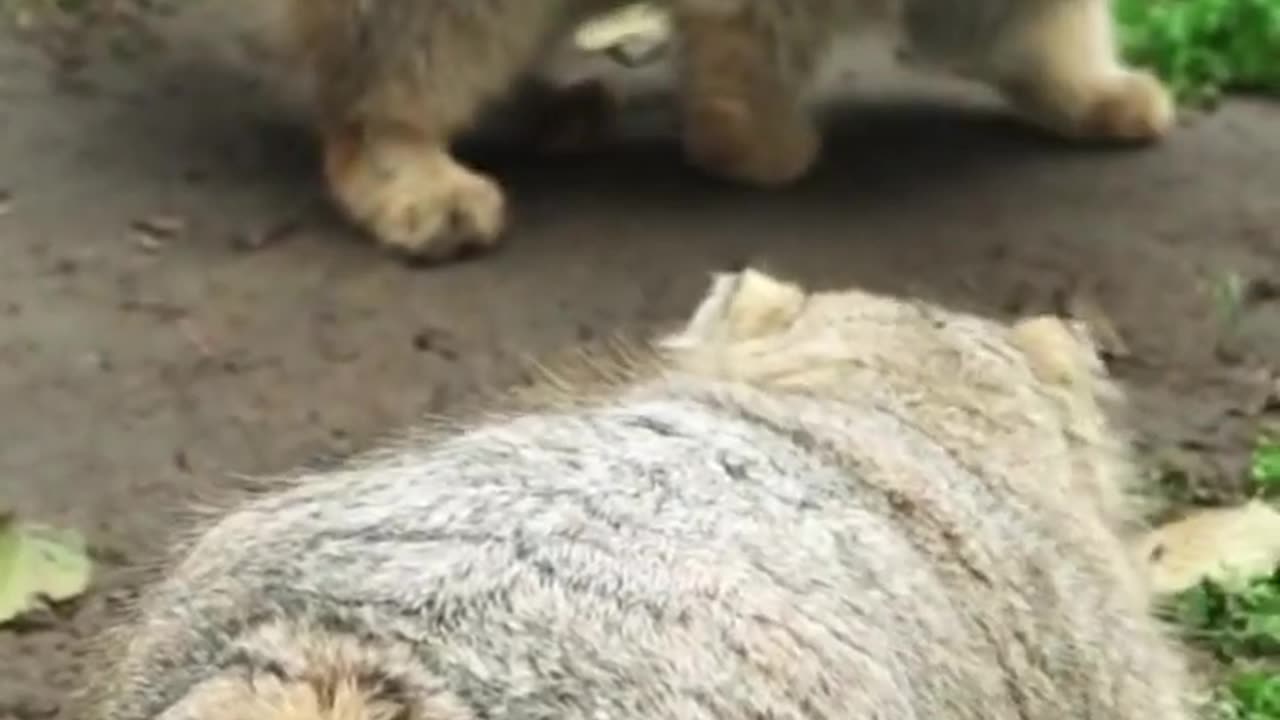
(178, 303)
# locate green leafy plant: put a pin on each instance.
(1240, 625)
(1239, 622)
(1250, 695)
(1264, 468)
(1234, 622)
(1203, 48)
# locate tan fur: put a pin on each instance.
(396, 81)
(742, 120)
(742, 331)
(739, 307)
(1062, 74)
(405, 187)
(1062, 356)
(329, 678)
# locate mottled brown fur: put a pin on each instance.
(397, 80)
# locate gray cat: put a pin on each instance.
(801, 505)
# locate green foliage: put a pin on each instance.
(1264, 469)
(1240, 622)
(1240, 625)
(1202, 48)
(1234, 622)
(1250, 695)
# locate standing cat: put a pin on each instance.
(397, 80)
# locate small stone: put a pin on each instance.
(265, 236)
(161, 226)
(36, 708)
(434, 341)
(149, 243)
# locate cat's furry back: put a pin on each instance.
(828, 505)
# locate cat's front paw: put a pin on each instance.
(1135, 108)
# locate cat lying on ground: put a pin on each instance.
(827, 505)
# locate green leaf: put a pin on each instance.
(39, 564)
(1265, 468)
(1202, 48)
(1256, 694)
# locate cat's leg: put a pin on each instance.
(744, 72)
(1058, 64)
(396, 82)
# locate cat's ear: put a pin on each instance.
(743, 305)
(1060, 351)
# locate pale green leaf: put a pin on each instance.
(38, 565)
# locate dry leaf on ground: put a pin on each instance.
(1226, 545)
(631, 35)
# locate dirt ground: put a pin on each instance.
(250, 330)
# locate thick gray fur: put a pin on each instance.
(777, 522)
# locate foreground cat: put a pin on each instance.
(397, 80)
(829, 506)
